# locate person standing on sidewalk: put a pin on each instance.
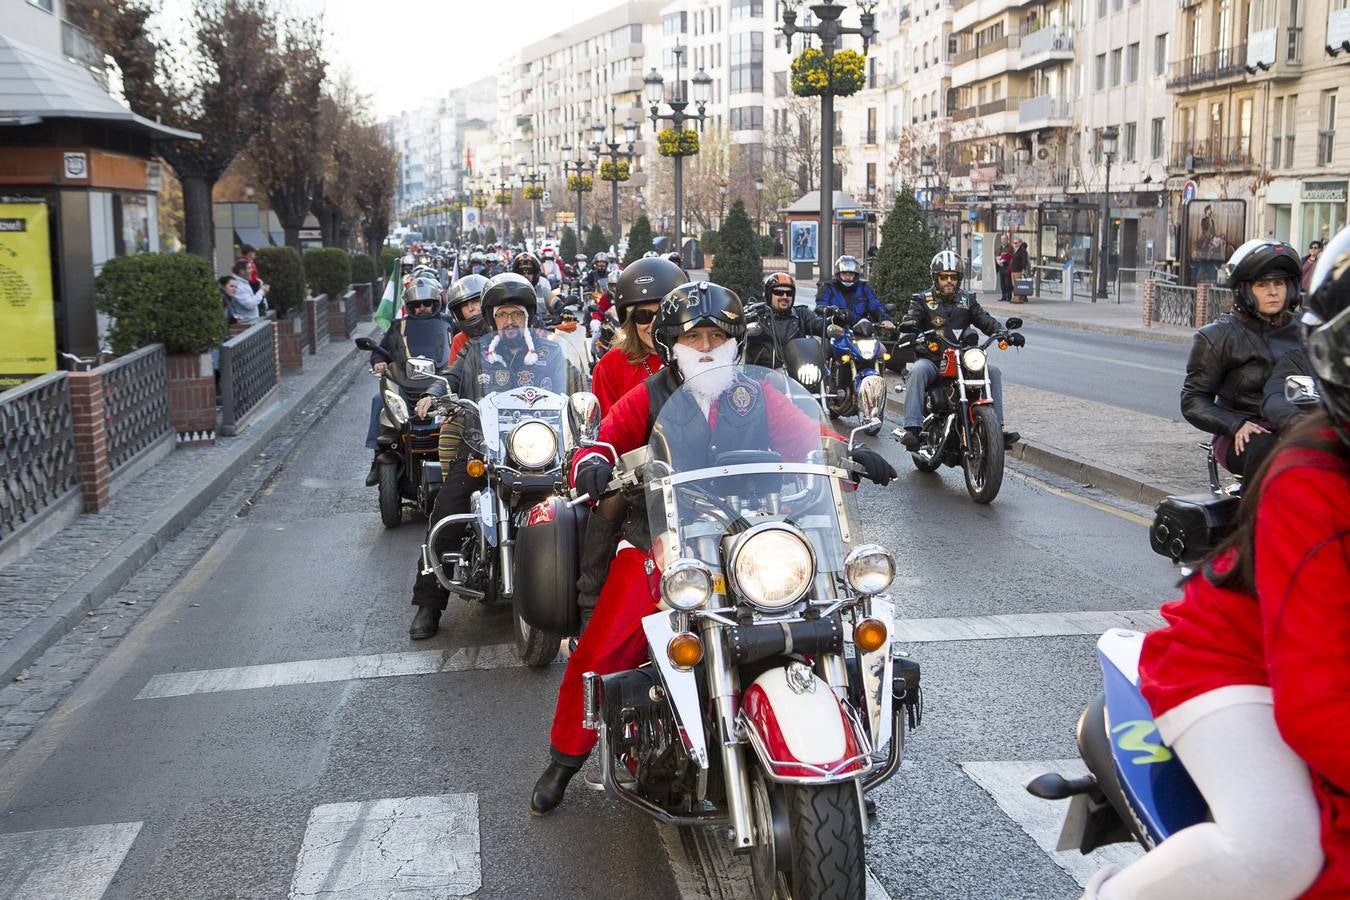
(1310, 263)
(1003, 263)
(1020, 264)
(243, 299)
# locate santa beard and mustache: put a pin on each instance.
(709, 373)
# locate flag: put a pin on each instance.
(468, 160)
(384, 314)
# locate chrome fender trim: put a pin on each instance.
(681, 688)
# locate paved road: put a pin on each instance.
(338, 775)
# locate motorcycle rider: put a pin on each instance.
(848, 291)
(421, 332)
(597, 276)
(1231, 359)
(505, 355)
(1247, 682)
(527, 266)
(465, 303)
(698, 332)
(784, 322)
(551, 268)
(945, 306)
(477, 263)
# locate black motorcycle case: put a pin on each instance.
(1186, 528)
(548, 546)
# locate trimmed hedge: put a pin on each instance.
(389, 257)
(328, 271)
(168, 298)
(363, 269)
(281, 268)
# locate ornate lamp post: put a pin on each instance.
(1110, 135)
(828, 29)
(615, 156)
(677, 101)
(534, 177)
(926, 168)
(580, 169)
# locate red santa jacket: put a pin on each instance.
(615, 376)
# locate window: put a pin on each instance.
(1101, 9)
(871, 178)
(951, 46)
(747, 118)
(742, 9)
(1160, 55)
(1132, 63)
(1099, 72)
(1326, 133)
(747, 62)
(1157, 140)
(1116, 56)
(1129, 142)
(1290, 104)
(1096, 146)
(1244, 127)
(1078, 81)
(674, 23)
(871, 124)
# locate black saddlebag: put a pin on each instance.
(548, 545)
(1185, 529)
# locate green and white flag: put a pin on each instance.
(384, 313)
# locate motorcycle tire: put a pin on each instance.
(391, 501)
(846, 405)
(983, 461)
(825, 823)
(535, 647)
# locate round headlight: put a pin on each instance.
(870, 569)
(973, 359)
(773, 567)
(533, 445)
(397, 406)
(686, 584)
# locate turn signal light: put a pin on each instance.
(869, 635)
(932, 347)
(685, 650)
(845, 358)
(885, 357)
(475, 468)
(1003, 345)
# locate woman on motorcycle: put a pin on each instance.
(1232, 358)
(465, 300)
(1248, 681)
(633, 358)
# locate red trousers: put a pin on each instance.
(612, 642)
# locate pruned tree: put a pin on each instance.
(907, 244)
(738, 264)
(374, 182)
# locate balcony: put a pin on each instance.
(1048, 45)
(1338, 32)
(1036, 113)
(986, 60)
(1210, 154)
(1206, 69)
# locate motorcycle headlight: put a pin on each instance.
(867, 349)
(397, 407)
(533, 445)
(869, 569)
(686, 584)
(973, 359)
(772, 566)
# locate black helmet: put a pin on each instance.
(674, 257)
(847, 264)
(522, 261)
(470, 287)
(693, 304)
(1259, 258)
(1326, 330)
(778, 281)
(646, 281)
(508, 289)
(422, 290)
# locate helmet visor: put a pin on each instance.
(1329, 347)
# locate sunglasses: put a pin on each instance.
(783, 293)
(643, 316)
(416, 303)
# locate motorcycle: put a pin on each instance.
(803, 358)
(750, 715)
(410, 467)
(518, 439)
(960, 426)
(856, 385)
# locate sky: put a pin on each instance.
(401, 53)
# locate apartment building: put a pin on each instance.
(876, 137)
(431, 141)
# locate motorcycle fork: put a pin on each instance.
(964, 402)
(724, 692)
(505, 546)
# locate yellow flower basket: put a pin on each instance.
(677, 143)
(534, 192)
(582, 183)
(843, 75)
(611, 171)
(502, 198)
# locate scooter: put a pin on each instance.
(856, 386)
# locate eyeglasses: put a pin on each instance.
(510, 315)
(414, 304)
(643, 316)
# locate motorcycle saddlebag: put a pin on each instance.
(1186, 528)
(548, 546)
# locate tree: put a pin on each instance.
(517, 236)
(567, 246)
(639, 240)
(596, 242)
(334, 204)
(907, 245)
(491, 236)
(738, 265)
(374, 181)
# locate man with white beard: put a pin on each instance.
(699, 333)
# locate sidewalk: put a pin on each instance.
(50, 589)
(1104, 316)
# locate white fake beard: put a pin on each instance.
(709, 374)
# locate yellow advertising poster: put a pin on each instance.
(28, 335)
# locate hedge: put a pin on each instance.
(328, 271)
(389, 257)
(168, 298)
(363, 269)
(281, 268)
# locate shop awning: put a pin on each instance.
(252, 236)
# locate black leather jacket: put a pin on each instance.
(1226, 374)
(1274, 408)
(930, 312)
(766, 348)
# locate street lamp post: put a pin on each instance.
(828, 29)
(580, 169)
(534, 175)
(1110, 135)
(677, 101)
(504, 187)
(614, 155)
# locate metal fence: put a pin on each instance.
(37, 450)
(1173, 304)
(248, 375)
(1220, 302)
(136, 401)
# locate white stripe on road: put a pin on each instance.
(1024, 625)
(70, 863)
(1107, 360)
(343, 668)
(1041, 819)
(414, 848)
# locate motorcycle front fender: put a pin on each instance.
(801, 731)
(872, 395)
(681, 688)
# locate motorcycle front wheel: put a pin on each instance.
(535, 647)
(391, 502)
(984, 457)
(839, 406)
(825, 824)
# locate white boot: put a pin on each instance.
(1094, 885)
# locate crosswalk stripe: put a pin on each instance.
(1024, 625)
(414, 848)
(70, 863)
(1041, 819)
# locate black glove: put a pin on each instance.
(1017, 340)
(593, 476)
(874, 465)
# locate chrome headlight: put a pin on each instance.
(397, 407)
(772, 566)
(533, 445)
(686, 584)
(973, 359)
(869, 568)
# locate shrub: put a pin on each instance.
(765, 245)
(709, 241)
(328, 271)
(738, 264)
(639, 240)
(907, 244)
(283, 271)
(518, 236)
(363, 269)
(567, 245)
(491, 236)
(389, 257)
(168, 298)
(595, 241)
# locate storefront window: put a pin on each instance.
(1320, 222)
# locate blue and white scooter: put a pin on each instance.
(856, 385)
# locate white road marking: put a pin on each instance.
(1107, 360)
(1041, 819)
(342, 668)
(414, 848)
(70, 863)
(1024, 625)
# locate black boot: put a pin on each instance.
(1010, 438)
(426, 622)
(549, 789)
(597, 551)
(373, 476)
(911, 438)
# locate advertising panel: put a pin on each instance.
(28, 340)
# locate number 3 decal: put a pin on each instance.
(1132, 736)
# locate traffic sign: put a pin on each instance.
(1188, 192)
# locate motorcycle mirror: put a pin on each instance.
(419, 367)
(1013, 324)
(833, 331)
(754, 329)
(366, 344)
(853, 435)
(872, 397)
(1301, 390)
(586, 414)
(970, 339)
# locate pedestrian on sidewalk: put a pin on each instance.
(1310, 263)
(1019, 265)
(1003, 264)
(243, 300)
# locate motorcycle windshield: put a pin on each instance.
(739, 447)
(521, 358)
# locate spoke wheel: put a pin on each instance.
(771, 857)
(984, 456)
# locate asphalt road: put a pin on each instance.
(247, 784)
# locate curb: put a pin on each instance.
(1121, 482)
(113, 573)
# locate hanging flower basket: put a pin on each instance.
(677, 143)
(503, 198)
(612, 171)
(534, 192)
(582, 183)
(481, 201)
(843, 75)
